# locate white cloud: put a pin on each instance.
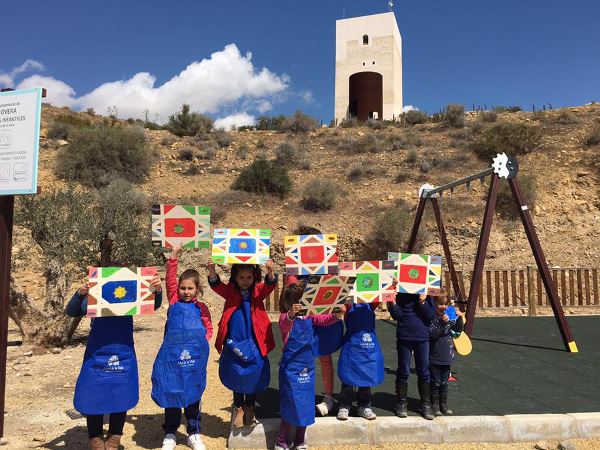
(235, 120)
(8, 79)
(57, 92)
(408, 108)
(264, 106)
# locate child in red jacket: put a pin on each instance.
(244, 337)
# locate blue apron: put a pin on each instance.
(361, 359)
(179, 371)
(108, 380)
(242, 368)
(297, 376)
(328, 340)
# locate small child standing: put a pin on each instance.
(297, 366)
(413, 314)
(179, 371)
(440, 353)
(245, 337)
(361, 360)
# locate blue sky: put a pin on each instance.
(513, 52)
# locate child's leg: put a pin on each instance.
(172, 420)
(238, 399)
(404, 349)
(284, 432)
(192, 418)
(327, 372)
(250, 400)
(364, 397)
(300, 436)
(421, 350)
(435, 378)
(444, 376)
(346, 396)
(94, 425)
(116, 422)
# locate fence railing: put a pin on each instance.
(516, 288)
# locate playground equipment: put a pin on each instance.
(506, 167)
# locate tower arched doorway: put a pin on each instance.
(366, 96)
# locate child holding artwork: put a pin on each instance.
(179, 371)
(413, 314)
(297, 366)
(361, 360)
(108, 380)
(244, 337)
(327, 340)
(441, 349)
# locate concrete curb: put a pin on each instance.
(450, 429)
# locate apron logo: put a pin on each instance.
(239, 354)
(303, 376)
(367, 341)
(113, 365)
(185, 359)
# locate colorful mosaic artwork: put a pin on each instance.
(374, 280)
(119, 291)
(323, 294)
(188, 226)
(419, 274)
(311, 254)
(241, 246)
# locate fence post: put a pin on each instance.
(531, 302)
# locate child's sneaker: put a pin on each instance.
(279, 447)
(238, 417)
(325, 406)
(366, 413)
(301, 447)
(97, 443)
(169, 442)
(249, 418)
(195, 442)
(343, 413)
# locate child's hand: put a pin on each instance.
(156, 282)
(296, 308)
(459, 313)
(83, 290)
(212, 272)
(445, 318)
(341, 312)
(422, 298)
(270, 267)
(394, 282)
(175, 251)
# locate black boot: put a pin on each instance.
(401, 400)
(435, 400)
(444, 399)
(425, 394)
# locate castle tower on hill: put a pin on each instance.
(368, 68)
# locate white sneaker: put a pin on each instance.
(169, 442)
(301, 447)
(279, 447)
(343, 413)
(325, 406)
(366, 413)
(195, 442)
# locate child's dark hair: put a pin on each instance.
(290, 295)
(442, 298)
(237, 268)
(191, 274)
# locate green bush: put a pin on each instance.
(506, 206)
(411, 156)
(186, 123)
(299, 123)
(358, 171)
(593, 137)
(414, 117)
(96, 155)
(488, 116)
(319, 195)
(510, 138)
(288, 153)
(186, 154)
(64, 124)
(454, 116)
(270, 123)
(242, 151)
(222, 138)
(264, 177)
(510, 109)
(566, 117)
(376, 124)
(349, 123)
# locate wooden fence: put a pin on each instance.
(576, 287)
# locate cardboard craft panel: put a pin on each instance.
(311, 254)
(241, 246)
(188, 226)
(119, 291)
(374, 280)
(419, 274)
(323, 294)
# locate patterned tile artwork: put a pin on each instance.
(188, 226)
(323, 294)
(419, 274)
(241, 246)
(119, 291)
(374, 280)
(311, 254)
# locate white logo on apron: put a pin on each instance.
(114, 365)
(303, 376)
(185, 359)
(367, 342)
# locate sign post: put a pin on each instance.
(20, 114)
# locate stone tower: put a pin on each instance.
(368, 68)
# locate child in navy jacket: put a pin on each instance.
(441, 354)
(413, 314)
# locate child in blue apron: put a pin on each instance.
(244, 338)
(179, 372)
(108, 380)
(441, 349)
(327, 340)
(361, 360)
(413, 314)
(297, 366)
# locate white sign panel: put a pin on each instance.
(19, 140)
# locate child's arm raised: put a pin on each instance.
(393, 308)
(171, 277)
(214, 281)
(206, 319)
(264, 289)
(425, 306)
(156, 282)
(77, 306)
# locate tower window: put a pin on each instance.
(365, 39)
